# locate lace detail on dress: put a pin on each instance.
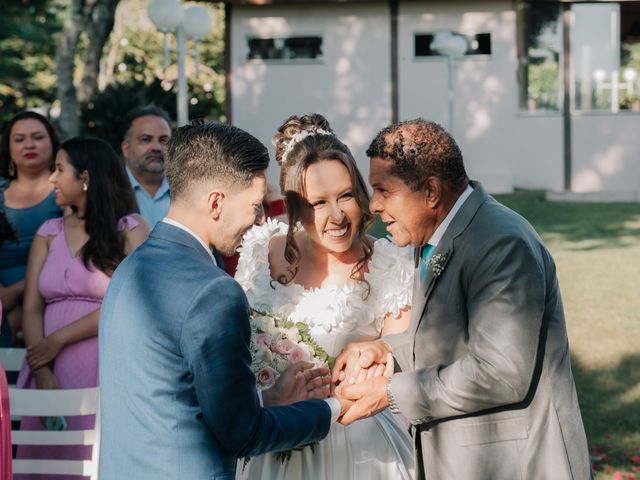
(391, 273)
(253, 272)
(331, 309)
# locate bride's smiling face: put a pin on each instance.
(334, 215)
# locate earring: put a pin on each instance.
(84, 187)
(12, 168)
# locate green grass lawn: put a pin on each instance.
(597, 251)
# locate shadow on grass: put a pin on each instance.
(588, 225)
(610, 411)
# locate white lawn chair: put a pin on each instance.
(45, 403)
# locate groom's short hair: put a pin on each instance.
(215, 152)
(419, 149)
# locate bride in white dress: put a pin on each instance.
(330, 275)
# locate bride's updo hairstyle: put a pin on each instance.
(300, 142)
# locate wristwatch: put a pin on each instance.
(393, 406)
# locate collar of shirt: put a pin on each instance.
(439, 233)
(190, 232)
(164, 186)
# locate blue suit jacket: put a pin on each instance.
(178, 398)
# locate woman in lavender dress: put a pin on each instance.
(70, 265)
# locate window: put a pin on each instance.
(606, 56)
(479, 44)
(289, 48)
(540, 58)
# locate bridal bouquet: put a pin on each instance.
(277, 343)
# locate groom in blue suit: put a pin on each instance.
(178, 397)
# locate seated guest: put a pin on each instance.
(27, 149)
(144, 149)
(70, 265)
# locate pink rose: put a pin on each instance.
(298, 355)
(263, 340)
(285, 346)
(267, 376)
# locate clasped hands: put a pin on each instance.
(44, 352)
(360, 375)
(358, 381)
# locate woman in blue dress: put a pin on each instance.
(27, 149)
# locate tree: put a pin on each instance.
(27, 78)
(61, 55)
(94, 18)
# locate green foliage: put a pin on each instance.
(27, 53)
(630, 59)
(544, 84)
(135, 56)
(134, 74)
(541, 27)
(104, 116)
(131, 70)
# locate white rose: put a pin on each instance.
(263, 355)
(292, 334)
(266, 324)
(281, 363)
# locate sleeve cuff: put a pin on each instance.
(335, 407)
(260, 399)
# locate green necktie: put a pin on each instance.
(425, 255)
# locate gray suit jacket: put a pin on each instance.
(177, 396)
(486, 376)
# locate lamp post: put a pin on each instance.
(453, 46)
(194, 23)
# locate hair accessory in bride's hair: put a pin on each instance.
(300, 136)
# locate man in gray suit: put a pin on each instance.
(485, 376)
(177, 395)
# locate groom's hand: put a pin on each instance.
(355, 357)
(370, 397)
(298, 382)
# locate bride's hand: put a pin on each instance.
(351, 364)
(298, 382)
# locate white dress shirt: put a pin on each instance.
(193, 234)
(439, 233)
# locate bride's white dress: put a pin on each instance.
(376, 448)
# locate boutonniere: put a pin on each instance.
(437, 262)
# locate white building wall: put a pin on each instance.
(606, 152)
(350, 85)
(502, 147)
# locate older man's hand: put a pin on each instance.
(370, 397)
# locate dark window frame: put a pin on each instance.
(289, 49)
(422, 41)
